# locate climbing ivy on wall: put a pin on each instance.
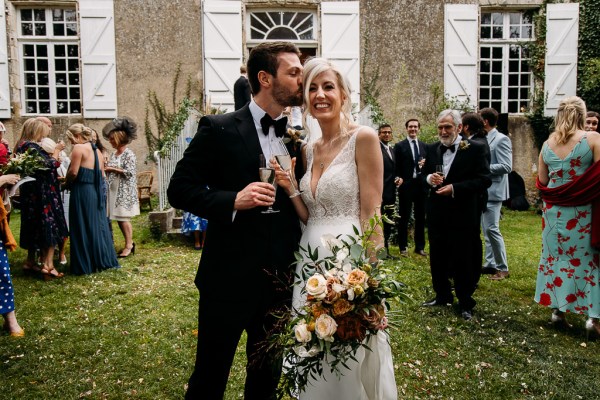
(588, 70)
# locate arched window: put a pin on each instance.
(293, 26)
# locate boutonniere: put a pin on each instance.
(292, 135)
(463, 145)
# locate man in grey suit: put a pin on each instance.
(495, 262)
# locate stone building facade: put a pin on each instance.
(402, 46)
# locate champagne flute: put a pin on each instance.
(281, 154)
(267, 175)
(439, 170)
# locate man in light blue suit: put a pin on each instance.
(495, 262)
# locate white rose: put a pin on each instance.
(329, 241)
(303, 335)
(325, 327)
(316, 286)
(342, 254)
(347, 268)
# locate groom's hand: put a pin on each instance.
(254, 195)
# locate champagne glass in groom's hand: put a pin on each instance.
(267, 175)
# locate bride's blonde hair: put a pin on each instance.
(570, 118)
(313, 68)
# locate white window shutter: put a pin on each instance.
(223, 52)
(99, 75)
(4, 83)
(562, 34)
(340, 40)
(460, 51)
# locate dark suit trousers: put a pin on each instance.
(411, 194)
(218, 337)
(455, 253)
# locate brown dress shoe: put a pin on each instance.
(500, 275)
(421, 253)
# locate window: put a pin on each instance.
(49, 55)
(293, 26)
(505, 79)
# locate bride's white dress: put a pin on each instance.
(334, 208)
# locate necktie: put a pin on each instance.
(445, 148)
(416, 151)
(280, 125)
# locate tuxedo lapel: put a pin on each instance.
(247, 130)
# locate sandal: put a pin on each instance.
(51, 274)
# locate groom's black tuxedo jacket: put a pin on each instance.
(221, 160)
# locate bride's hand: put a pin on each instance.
(282, 178)
(9, 179)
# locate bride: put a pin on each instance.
(342, 188)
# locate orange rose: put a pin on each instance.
(350, 327)
(341, 307)
(332, 295)
(317, 310)
(356, 277)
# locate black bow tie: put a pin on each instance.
(444, 148)
(280, 125)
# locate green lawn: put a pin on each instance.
(128, 333)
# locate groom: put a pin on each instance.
(244, 276)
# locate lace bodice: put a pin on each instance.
(337, 193)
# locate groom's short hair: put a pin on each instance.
(264, 58)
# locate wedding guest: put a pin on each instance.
(591, 121)
(457, 173)
(123, 201)
(194, 225)
(43, 224)
(568, 175)
(253, 250)
(500, 147)
(346, 163)
(91, 242)
(7, 242)
(410, 154)
(4, 149)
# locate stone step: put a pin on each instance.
(177, 222)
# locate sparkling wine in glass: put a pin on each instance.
(267, 175)
(439, 170)
(281, 154)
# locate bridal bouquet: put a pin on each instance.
(346, 303)
(25, 164)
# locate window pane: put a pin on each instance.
(27, 29)
(486, 32)
(526, 32)
(42, 50)
(40, 29)
(496, 80)
(484, 80)
(59, 50)
(484, 52)
(28, 50)
(496, 93)
(486, 18)
(497, 32)
(496, 105)
(30, 79)
(497, 53)
(73, 65)
(497, 19)
(44, 107)
(524, 94)
(525, 79)
(73, 79)
(43, 79)
(44, 93)
(484, 66)
(513, 106)
(497, 66)
(60, 64)
(42, 64)
(282, 33)
(62, 107)
(70, 15)
(29, 64)
(513, 93)
(74, 93)
(39, 15)
(513, 80)
(61, 93)
(514, 32)
(515, 18)
(75, 107)
(484, 93)
(71, 29)
(31, 107)
(57, 14)
(61, 79)
(525, 65)
(26, 15)
(30, 93)
(73, 50)
(59, 29)
(513, 66)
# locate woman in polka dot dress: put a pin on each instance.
(7, 241)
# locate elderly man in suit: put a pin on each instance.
(388, 201)
(244, 276)
(453, 212)
(410, 154)
(241, 90)
(495, 262)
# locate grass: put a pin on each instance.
(128, 333)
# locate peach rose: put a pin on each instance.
(341, 307)
(357, 277)
(317, 310)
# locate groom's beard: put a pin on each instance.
(285, 97)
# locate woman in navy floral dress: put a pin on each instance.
(43, 224)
